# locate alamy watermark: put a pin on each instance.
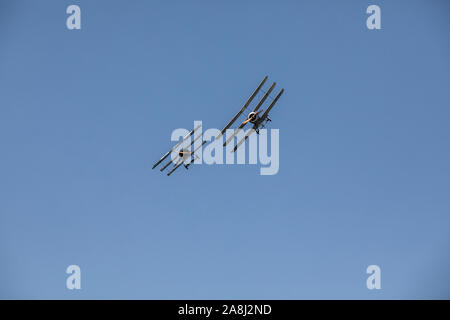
(195, 151)
(374, 280)
(74, 280)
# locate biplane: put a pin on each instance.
(255, 118)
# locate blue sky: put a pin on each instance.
(364, 150)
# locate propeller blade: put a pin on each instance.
(251, 118)
(246, 121)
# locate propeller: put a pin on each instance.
(246, 120)
(251, 118)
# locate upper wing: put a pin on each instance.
(244, 107)
(265, 97)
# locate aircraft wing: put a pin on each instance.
(247, 134)
(170, 161)
(181, 162)
(180, 142)
(265, 97)
(266, 113)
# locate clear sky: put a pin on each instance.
(364, 150)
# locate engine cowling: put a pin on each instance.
(252, 116)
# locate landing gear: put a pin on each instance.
(263, 124)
